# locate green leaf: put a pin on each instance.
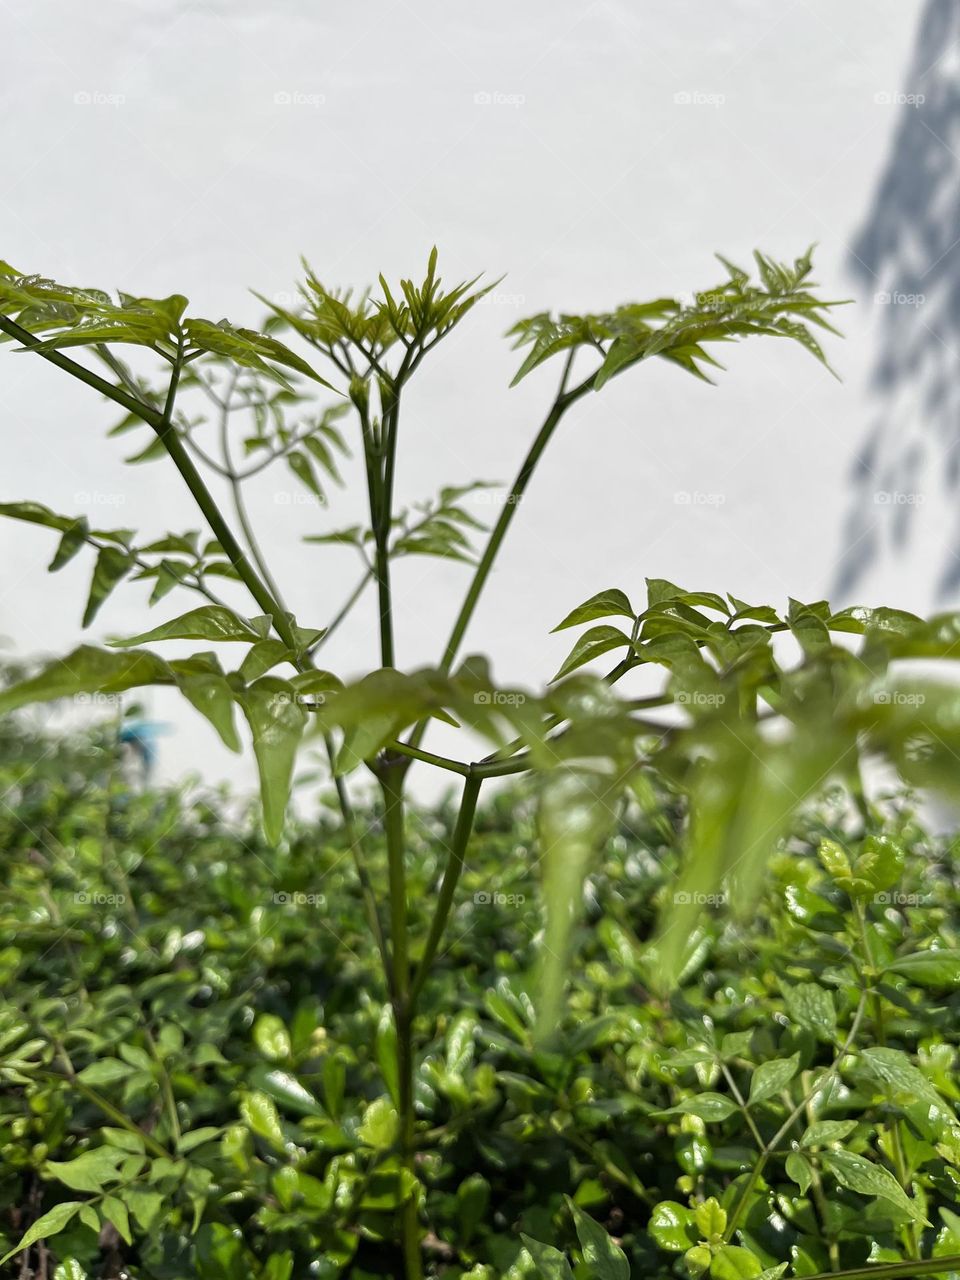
(798, 1168)
(937, 967)
(115, 1211)
(210, 622)
(87, 670)
(672, 1226)
(264, 655)
(893, 1069)
(550, 1262)
(111, 567)
(730, 1262)
(380, 1125)
(286, 1090)
(71, 542)
(712, 1107)
(822, 1132)
(880, 862)
(90, 1171)
(575, 814)
(211, 695)
(771, 1077)
(260, 1115)
(811, 1006)
(604, 604)
(47, 1225)
(69, 1269)
(600, 1254)
(593, 644)
(105, 1071)
(388, 1053)
(271, 1037)
(277, 721)
(710, 1218)
(869, 1179)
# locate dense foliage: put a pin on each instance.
(196, 1040)
(308, 1051)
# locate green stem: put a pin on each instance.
(448, 886)
(754, 1176)
(895, 1270)
(390, 775)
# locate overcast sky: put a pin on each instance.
(596, 154)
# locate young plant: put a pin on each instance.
(755, 735)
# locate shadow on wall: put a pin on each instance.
(907, 259)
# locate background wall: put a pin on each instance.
(597, 153)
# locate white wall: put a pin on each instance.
(585, 179)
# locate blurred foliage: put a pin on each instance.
(194, 1047)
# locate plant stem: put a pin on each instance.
(895, 1270)
(451, 877)
(390, 775)
(754, 1175)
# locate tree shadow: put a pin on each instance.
(907, 257)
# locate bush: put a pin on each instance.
(196, 1038)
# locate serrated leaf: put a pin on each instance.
(209, 622)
